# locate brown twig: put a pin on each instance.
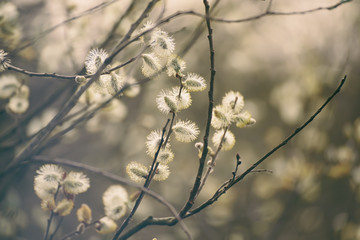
(170, 221)
(111, 176)
(111, 34)
(146, 185)
(57, 228)
(171, 17)
(51, 215)
(46, 32)
(212, 161)
(195, 188)
(222, 190)
(163, 142)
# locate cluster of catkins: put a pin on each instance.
(12, 90)
(162, 57)
(228, 112)
(57, 190)
(107, 86)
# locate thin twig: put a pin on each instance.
(195, 188)
(222, 190)
(211, 165)
(87, 115)
(267, 12)
(68, 77)
(269, 6)
(124, 42)
(197, 32)
(262, 171)
(111, 176)
(111, 34)
(57, 228)
(238, 162)
(163, 142)
(181, 13)
(170, 221)
(46, 32)
(170, 130)
(146, 185)
(35, 74)
(77, 232)
(59, 117)
(51, 216)
(48, 225)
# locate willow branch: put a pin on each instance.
(146, 185)
(169, 18)
(195, 188)
(110, 35)
(271, 13)
(36, 74)
(228, 184)
(212, 163)
(46, 32)
(166, 221)
(28, 151)
(106, 174)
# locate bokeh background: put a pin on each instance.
(285, 66)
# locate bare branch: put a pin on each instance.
(146, 185)
(274, 13)
(167, 19)
(223, 189)
(110, 35)
(46, 32)
(35, 74)
(195, 188)
(28, 151)
(111, 176)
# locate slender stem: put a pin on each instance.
(108, 175)
(151, 174)
(195, 188)
(75, 114)
(48, 225)
(146, 185)
(124, 42)
(170, 130)
(51, 215)
(238, 162)
(181, 86)
(154, 165)
(170, 221)
(57, 228)
(77, 231)
(35, 74)
(167, 19)
(223, 189)
(214, 156)
(212, 163)
(82, 14)
(149, 221)
(111, 34)
(28, 151)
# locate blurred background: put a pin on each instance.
(285, 67)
